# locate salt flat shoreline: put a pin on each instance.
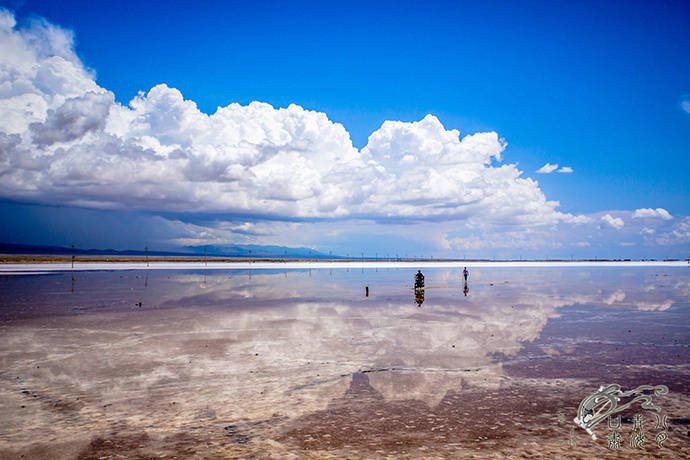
(259, 265)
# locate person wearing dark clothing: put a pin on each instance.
(419, 280)
(465, 273)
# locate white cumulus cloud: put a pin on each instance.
(615, 222)
(64, 140)
(547, 168)
(660, 213)
(678, 234)
(566, 170)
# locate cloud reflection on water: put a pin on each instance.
(248, 347)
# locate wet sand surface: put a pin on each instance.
(301, 364)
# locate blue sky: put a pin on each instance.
(597, 87)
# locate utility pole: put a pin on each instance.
(147, 255)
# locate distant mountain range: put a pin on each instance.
(254, 250)
(239, 250)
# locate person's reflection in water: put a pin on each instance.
(465, 289)
(419, 297)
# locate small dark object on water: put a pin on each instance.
(366, 291)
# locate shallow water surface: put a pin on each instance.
(280, 363)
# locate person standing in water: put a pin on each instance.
(419, 280)
(465, 274)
